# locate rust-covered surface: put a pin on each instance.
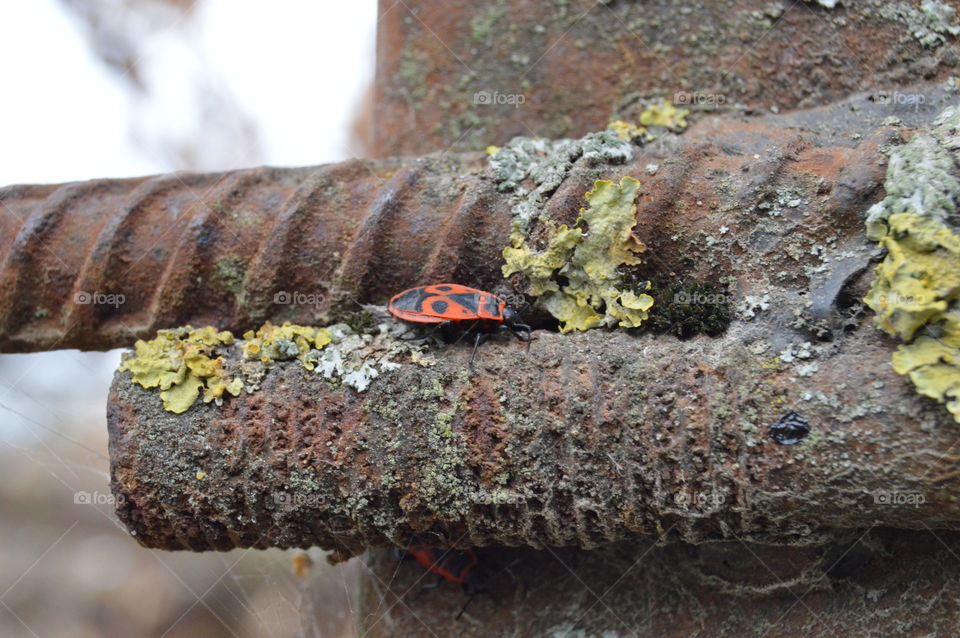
(879, 582)
(456, 74)
(586, 440)
(96, 265)
(615, 482)
(596, 437)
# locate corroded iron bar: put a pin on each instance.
(589, 439)
(454, 74)
(96, 265)
(601, 436)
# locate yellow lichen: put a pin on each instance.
(492, 150)
(915, 286)
(665, 114)
(539, 267)
(587, 258)
(180, 362)
(919, 277)
(917, 289)
(276, 343)
(630, 131)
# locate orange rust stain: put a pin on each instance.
(824, 163)
(485, 429)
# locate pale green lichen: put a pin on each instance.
(485, 21)
(920, 181)
(929, 24)
(180, 362)
(916, 294)
(232, 271)
(587, 259)
(445, 484)
(532, 169)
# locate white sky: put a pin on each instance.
(298, 69)
(305, 80)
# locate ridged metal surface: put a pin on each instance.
(223, 248)
(457, 74)
(593, 437)
(95, 265)
(586, 440)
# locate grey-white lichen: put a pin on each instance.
(546, 163)
(359, 358)
(807, 369)
(920, 176)
(796, 351)
(752, 305)
(930, 23)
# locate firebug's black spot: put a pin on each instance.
(789, 429)
(439, 306)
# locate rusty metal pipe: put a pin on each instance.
(96, 265)
(588, 439)
(454, 74)
(594, 437)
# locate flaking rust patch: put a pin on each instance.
(485, 429)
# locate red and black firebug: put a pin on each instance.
(469, 309)
(451, 565)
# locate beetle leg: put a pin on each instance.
(420, 336)
(517, 328)
(476, 344)
(464, 332)
(470, 598)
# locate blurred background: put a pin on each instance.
(114, 88)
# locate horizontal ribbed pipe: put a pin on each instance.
(586, 440)
(98, 264)
(593, 437)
